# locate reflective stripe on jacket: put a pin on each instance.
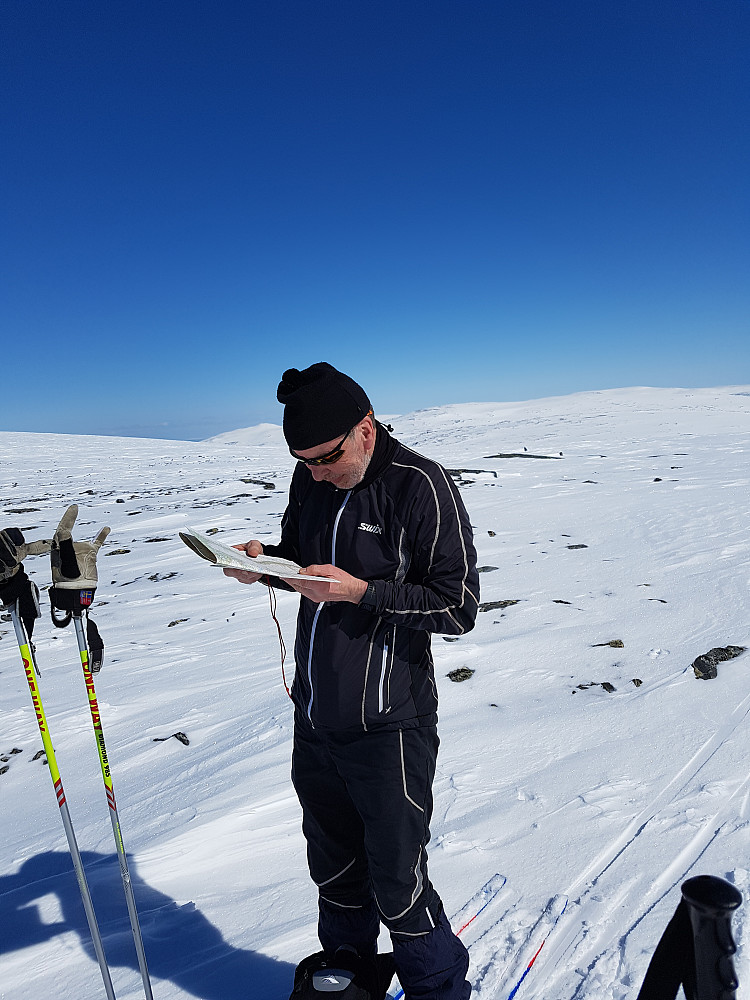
(404, 528)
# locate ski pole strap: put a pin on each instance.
(65, 604)
(74, 601)
(20, 589)
(69, 602)
(96, 646)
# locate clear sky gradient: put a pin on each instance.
(452, 200)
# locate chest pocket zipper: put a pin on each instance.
(384, 685)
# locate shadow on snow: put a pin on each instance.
(181, 945)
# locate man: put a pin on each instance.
(389, 528)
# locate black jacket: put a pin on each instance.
(405, 528)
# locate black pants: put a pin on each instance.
(367, 802)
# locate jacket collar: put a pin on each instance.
(382, 456)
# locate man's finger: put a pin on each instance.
(316, 590)
(65, 527)
(243, 575)
(100, 538)
(326, 570)
(39, 547)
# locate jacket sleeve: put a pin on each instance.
(440, 589)
(288, 547)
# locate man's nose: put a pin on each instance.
(319, 472)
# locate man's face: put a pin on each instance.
(350, 469)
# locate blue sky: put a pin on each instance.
(451, 200)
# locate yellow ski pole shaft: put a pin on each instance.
(29, 666)
(113, 815)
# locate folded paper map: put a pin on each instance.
(226, 557)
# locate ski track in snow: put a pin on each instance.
(596, 921)
(611, 799)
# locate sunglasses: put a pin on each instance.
(332, 457)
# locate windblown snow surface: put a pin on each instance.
(618, 515)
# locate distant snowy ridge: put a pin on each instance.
(259, 436)
(481, 422)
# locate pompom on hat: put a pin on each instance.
(320, 404)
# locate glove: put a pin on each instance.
(15, 587)
(74, 580)
(74, 575)
(13, 550)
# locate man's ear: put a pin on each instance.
(368, 433)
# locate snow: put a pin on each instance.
(610, 799)
(259, 435)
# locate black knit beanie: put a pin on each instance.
(320, 404)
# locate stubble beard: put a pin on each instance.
(357, 472)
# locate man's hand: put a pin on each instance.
(252, 549)
(343, 586)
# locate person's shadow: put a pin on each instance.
(180, 943)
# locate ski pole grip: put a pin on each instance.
(711, 902)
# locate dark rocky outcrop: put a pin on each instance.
(522, 454)
(178, 736)
(460, 674)
(259, 482)
(492, 605)
(704, 666)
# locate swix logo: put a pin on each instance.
(86, 597)
(374, 529)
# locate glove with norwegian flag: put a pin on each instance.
(74, 580)
(74, 575)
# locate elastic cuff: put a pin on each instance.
(379, 599)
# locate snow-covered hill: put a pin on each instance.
(612, 531)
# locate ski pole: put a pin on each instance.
(29, 665)
(109, 788)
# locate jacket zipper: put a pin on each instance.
(309, 660)
(384, 693)
(321, 606)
